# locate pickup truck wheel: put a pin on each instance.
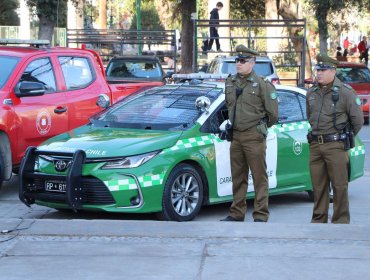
(182, 195)
(2, 170)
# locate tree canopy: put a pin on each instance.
(8, 16)
(323, 8)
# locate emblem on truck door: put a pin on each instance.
(43, 122)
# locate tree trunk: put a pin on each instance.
(287, 14)
(321, 16)
(187, 7)
(46, 28)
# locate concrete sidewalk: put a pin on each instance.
(114, 249)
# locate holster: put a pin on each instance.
(262, 127)
(309, 138)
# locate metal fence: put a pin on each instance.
(115, 42)
(290, 53)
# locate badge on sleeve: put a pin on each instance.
(358, 101)
(273, 95)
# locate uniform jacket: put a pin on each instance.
(257, 101)
(320, 109)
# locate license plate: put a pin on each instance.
(55, 186)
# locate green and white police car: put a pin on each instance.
(160, 151)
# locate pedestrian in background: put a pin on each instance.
(363, 49)
(213, 30)
(252, 105)
(346, 44)
(334, 113)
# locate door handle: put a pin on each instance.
(60, 110)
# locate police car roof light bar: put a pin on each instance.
(199, 76)
(35, 43)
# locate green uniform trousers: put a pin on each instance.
(248, 151)
(329, 166)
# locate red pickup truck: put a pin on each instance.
(48, 91)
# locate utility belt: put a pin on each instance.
(321, 139)
(346, 137)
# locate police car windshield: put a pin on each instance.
(261, 68)
(161, 108)
(353, 74)
(7, 66)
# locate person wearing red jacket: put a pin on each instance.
(363, 49)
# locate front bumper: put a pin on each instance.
(79, 189)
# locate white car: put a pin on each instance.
(226, 65)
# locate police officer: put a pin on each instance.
(252, 106)
(334, 112)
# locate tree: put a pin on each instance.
(187, 31)
(50, 13)
(149, 18)
(323, 8)
(8, 16)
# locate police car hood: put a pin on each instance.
(106, 142)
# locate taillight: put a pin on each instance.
(275, 81)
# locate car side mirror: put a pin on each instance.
(26, 88)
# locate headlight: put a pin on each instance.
(129, 162)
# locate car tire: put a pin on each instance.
(2, 170)
(182, 194)
(310, 196)
(366, 120)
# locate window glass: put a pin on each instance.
(7, 66)
(263, 68)
(228, 67)
(290, 108)
(77, 72)
(212, 67)
(134, 69)
(353, 75)
(168, 108)
(40, 70)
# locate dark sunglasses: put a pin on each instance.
(243, 60)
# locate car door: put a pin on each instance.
(82, 87)
(39, 117)
(222, 157)
(293, 151)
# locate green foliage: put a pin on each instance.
(8, 15)
(53, 10)
(243, 9)
(149, 18)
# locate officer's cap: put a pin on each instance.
(243, 52)
(325, 62)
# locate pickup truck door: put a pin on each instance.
(38, 117)
(83, 83)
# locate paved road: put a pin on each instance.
(41, 243)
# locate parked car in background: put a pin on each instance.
(47, 91)
(134, 69)
(357, 75)
(160, 151)
(226, 65)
